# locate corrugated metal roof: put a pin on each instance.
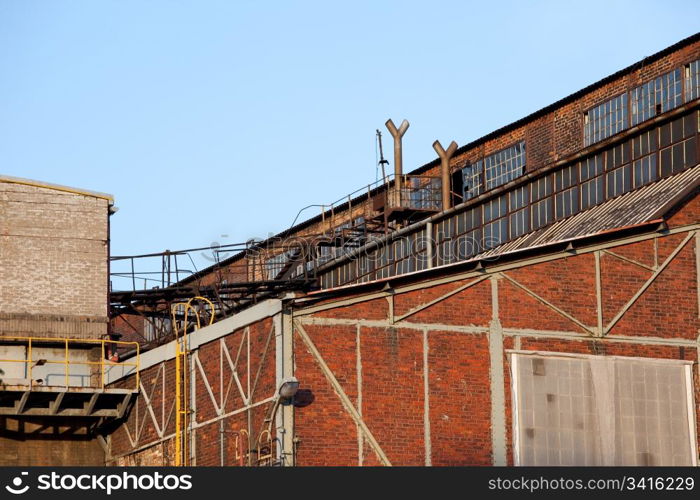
(630, 209)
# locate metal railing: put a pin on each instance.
(418, 192)
(106, 348)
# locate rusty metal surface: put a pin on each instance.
(630, 209)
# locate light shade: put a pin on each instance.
(289, 387)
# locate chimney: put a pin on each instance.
(445, 171)
(397, 134)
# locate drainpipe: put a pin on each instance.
(445, 171)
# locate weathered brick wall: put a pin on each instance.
(53, 262)
(423, 384)
(146, 437)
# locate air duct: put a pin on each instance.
(397, 134)
(445, 171)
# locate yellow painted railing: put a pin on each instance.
(33, 343)
(182, 367)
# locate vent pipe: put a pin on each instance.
(445, 171)
(397, 134)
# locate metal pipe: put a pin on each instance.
(445, 157)
(397, 134)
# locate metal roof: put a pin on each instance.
(630, 209)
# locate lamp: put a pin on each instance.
(288, 388)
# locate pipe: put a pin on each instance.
(397, 134)
(445, 171)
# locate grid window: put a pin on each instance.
(592, 182)
(619, 181)
(565, 178)
(495, 222)
(566, 199)
(495, 209)
(679, 156)
(657, 96)
(644, 170)
(473, 177)
(566, 202)
(591, 167)
(541, 213)
(443, 238)
(617, 156)
(541, 188)
(519, 219)
(495, 233)
(592, 192)
(605, 120)
(644, 144)
(505, 165)
(692, 81)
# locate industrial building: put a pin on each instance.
(529, 298)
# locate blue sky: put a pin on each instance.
(208, 118)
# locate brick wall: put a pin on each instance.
(424, 384)
(53, 265)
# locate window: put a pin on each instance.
(592, 182)
(644, 166)
(601, 410)
(619, 177)
(443, 240)
(468, 233)
(692, 81)
(541, 189)
(644, 170)
(495, 222)
(566, 199)
(472, 180)
(619, 181)
(519, 219)
(678, 142)
(605, 120)
(505, 165)
(657, 96)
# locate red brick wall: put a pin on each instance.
(390, 359)
(159, 387)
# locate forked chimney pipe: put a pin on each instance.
(397, 134)
(445, 171)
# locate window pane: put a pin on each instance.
(505, 165)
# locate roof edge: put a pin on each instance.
(56, 187)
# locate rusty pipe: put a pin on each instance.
(397, 134)
(445, 157)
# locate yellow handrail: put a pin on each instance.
(181, 379)
(29, 361)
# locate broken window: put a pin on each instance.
(656, 96)
(602, 410)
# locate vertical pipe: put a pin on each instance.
(445, 156)
(102, 364)
(66, 365)
(397, 134)
(29, 361)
